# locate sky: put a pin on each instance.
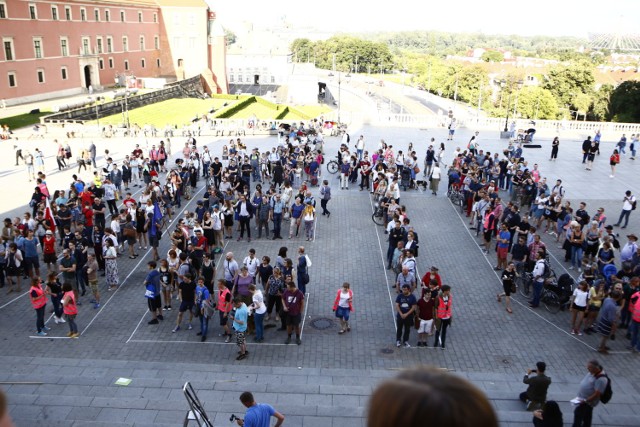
(538, 17)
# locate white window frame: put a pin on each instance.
(99, 45)
(83, 14)
(62, 51)
(107, 15)
(126, 65)
(143, 63)
(125, 43)
(64, 73)
(142, 43)
(6, 11)
(85, 45)
(155, 17)
(33, 8)
(156, 42)
(101, 64)
(13, 48)
(158, 62)
(140, 16)
(68, 13)
(96, 14)
(109, 44)
(123, 15)
(55, 16)
(35, 51)
(111, 63)
(44, 77)
(15, 78)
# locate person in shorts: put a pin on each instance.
(293, 305)
(92, 276)
(187, 297)
(342, 306)
(224, 307)
(426, 306)
(508, 285)
(240, 326)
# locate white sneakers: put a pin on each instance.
(59, 320)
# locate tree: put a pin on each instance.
(229, 36)
(302, 49)
(567, 82)
(582, 102)
(536, 103)
(492, 56)
(625, 103)
(600, 109)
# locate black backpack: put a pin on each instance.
(605, 397)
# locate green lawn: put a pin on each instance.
(23, 120)
(314, 110)
(174, 111)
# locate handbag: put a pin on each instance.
(129, 232)
(416, 169)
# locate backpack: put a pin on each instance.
(605, 397)
(546, 270)
(633, 205)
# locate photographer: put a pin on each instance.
(538, 382)
(258, 414)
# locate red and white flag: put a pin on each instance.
(48, 215)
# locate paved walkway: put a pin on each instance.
(326, 380)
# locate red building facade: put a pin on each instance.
(61, 48)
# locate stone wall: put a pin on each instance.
(189, 88)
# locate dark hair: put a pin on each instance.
(446, 288)
(66, 287)
(541, 366)
(247, 398)
(283, 252)
(552, 414)
(427, 393)
(152, 264)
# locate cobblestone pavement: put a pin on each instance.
(326, 380)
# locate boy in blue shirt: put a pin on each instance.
(240, 326)
(152, 293)
(204, 306)
(258, 414)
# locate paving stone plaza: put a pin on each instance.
(326, 381)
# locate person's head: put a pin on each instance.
(222, 284)
(247, 399)
(427, 393)
(594, 367)
(290, 283)
(229, 256)
(152, 265)
(551, 411)
(446, 289)
(406, 289)
(541, 367)
(67, 287)
(237, 301)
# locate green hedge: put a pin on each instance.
(229, 111)
(284, 112)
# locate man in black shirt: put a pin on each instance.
(187, 296)
(519, 253)
(396, 235)
(513, 221)
(216, 171)
(582, 216)
(99, 211)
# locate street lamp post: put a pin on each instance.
(347, 77)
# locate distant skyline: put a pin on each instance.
(547, 17)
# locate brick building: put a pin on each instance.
(61, 48)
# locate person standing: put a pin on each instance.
(591, 388)
(343, 306)
(152, 293)
(538, 383)
(293, 306)
(325, 192)
(428, 159)
(628, 204)
(204, 307)
(187, 298)
(92, 277)
(110, 256)
(275, 215)
(244, 209)
(555, 144)
(538, 280)
(38, 302)
(508, 285)
(608, 323)
(54, 290)
(586, 147)
(426, 306)
(258, 414)
(70, 309)
(406, 304)
(239, 318)
(434, 179)
(259, 309)
(443, 315)
(613, 161)
(224, 308)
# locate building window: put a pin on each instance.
(239, 78)
(83, 14)
(3, 10)
(99, 44)
(125, 44)
(63, 72)
(273, 79)
(110, 62)
(12, 79)
(158, 62)
(156, 42)
(37, 48)
(143, 63)
(109, 44)
(126, 65)
(96, 14)
(54, 13)
(33, 11)
(64, 46)
(40, 76)
(142, 43)
(139, 16)
(122, 16)
(155, 18)
(107, 16)
(231, 80)
(86, 46)
(67, 13)
(8, 49)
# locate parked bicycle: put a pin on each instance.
(456, 196)
(333, 166)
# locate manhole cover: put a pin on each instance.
(322, 323)
(505, 360)
(386, 351)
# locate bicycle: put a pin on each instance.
(332, 166)
(456, 196)
(379, 214)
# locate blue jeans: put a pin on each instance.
(576, 256)
(537, 292)
(634, 329)
(57, 306)
(258, 320)
(204, 325)
(624, 215)
(277, 221)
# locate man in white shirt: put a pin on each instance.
(538, 280)
(628, 204)
(251, 262)
(360, 147)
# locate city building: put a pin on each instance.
(62, 48)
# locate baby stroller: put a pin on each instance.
(564, 289)
(405, 178)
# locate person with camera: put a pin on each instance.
(258, 414)
(538, 383)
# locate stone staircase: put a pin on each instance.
(68, 392)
